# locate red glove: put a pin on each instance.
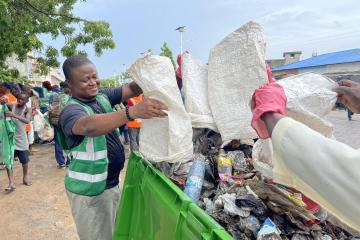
(268, 98)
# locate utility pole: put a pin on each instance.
(181, 30)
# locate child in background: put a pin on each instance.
(7, 143)
(21, 115)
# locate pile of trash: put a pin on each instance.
(225, 184)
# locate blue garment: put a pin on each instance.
(59, 155)
(126, 134)
(349, 113)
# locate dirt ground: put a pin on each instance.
(40, 211)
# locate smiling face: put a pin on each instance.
(84, 82)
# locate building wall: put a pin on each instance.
(334, 68)
(283, 74)
(344, 68)
(28, 69)
(24, 68)
(317, 69)
(275, 62)
(337, 72)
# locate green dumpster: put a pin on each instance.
(154, 208)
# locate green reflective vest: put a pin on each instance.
(87, 172)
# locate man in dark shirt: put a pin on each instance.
(95, 215)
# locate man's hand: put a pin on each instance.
(349, 95)
(3, 100)
(148, 108)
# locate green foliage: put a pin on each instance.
(110, 82)
(21, 22)
(115, 81)
(166, 51)
(11, 75)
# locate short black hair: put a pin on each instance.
(64, 85)
(24, 94)
(74, 62)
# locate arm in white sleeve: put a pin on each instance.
(324, 169)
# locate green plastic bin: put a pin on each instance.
(154, 208)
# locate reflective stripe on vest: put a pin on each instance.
(88, 177)
(90, 154)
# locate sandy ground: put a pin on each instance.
(41, 211)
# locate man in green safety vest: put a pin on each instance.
(89, 130)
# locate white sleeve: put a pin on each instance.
(325, 170)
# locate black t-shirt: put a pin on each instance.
(116, 155)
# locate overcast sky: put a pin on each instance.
(304, 25)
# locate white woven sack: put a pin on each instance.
(195, 84)
(163, 139)
(309, 99)
(236, 68)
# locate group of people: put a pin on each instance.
(19, 104)
(87, 130)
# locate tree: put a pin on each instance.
(22, 21)
(166, 52)
(116, 81)
(110, 82)
(12, 75)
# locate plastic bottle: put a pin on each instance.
(195, 178)
(224, 164)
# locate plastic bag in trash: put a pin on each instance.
(236, 68)
(173, 134)
(230, 206)
(195, 82)
(256, 206)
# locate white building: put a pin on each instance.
(28, 69)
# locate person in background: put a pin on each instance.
(178, 76)
(349, 114)
(65, 88)
(21, 115)
(123, 129)
(44, 97)
(134, 126)
(7, 127)
(30, 127)
(331, 174)
(89, 129)
(55, 89)
(57, 102)
(8, 88)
